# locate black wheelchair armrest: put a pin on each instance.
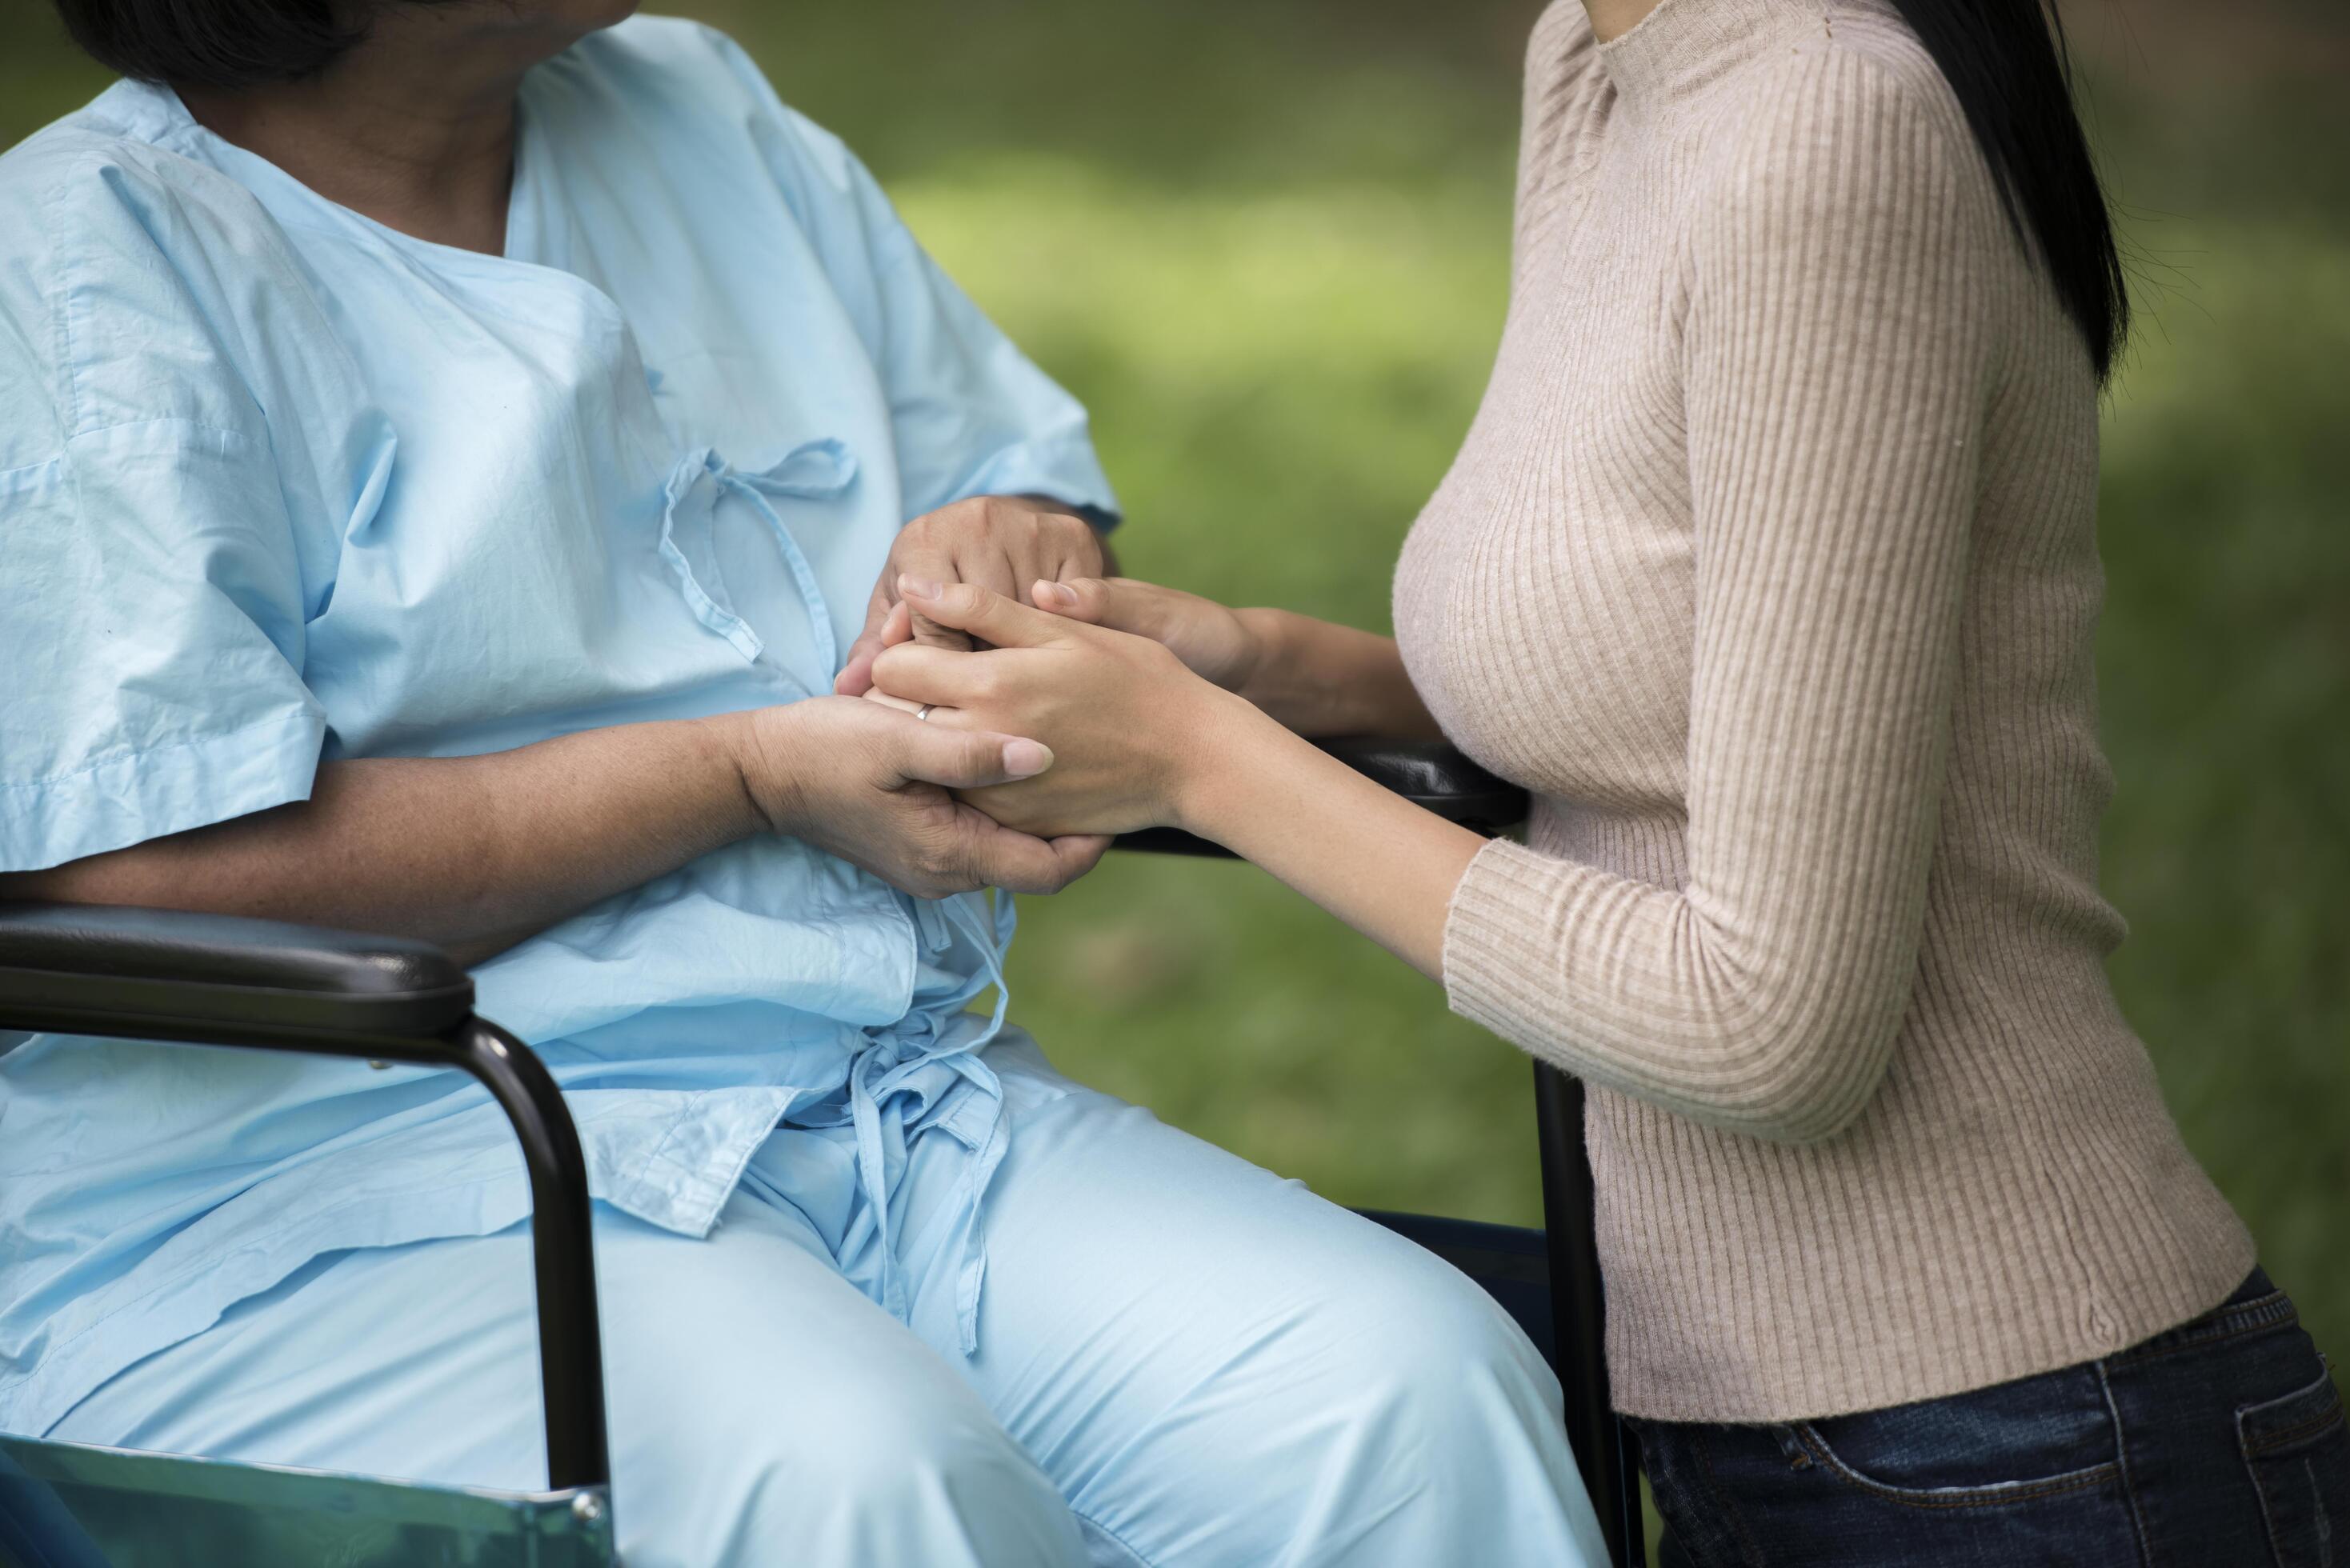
(1430, 773)
(84, 968)
(220, 980)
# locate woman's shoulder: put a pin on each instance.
(1859, 91)
(1562, 73)
(1561, 52)
(1849, 128)
(116, 158)
(1562, 83)
(673, 58)
(110, 237)
(688, 85)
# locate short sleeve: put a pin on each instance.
(973, 416)
(970, 414)
(150, 639)
(151, 598)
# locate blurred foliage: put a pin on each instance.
(1266, 240)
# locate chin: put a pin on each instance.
(577, 18)
(598, 14)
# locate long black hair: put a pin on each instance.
(2006, 62)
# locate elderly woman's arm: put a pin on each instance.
(477, 853)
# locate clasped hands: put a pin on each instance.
(994, 615)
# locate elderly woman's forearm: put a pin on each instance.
(1319, 677)
(474, 853)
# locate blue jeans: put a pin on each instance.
(2220, 1444)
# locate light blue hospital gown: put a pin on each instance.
(278, 484)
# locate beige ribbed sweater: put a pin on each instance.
(1769, 565)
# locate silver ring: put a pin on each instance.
(924, 711)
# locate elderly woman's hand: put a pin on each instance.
(1132, 731)
(1006, 543)
(875, 788)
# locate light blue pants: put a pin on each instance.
(1183, 1361)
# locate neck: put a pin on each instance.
(1611, 19)
(414, 127)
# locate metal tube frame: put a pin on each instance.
(1579, 1305)
(570, 1338)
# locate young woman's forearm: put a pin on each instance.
(1382, 864)
(1318, 677)
(474, 853)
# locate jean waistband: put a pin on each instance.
(2256, 1304)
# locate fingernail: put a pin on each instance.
(915, 587)
(1057, 593)
(1026, 759)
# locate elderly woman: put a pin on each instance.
(445, 451)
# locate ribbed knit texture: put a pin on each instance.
(1770, 566)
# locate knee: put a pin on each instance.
(891, 1470)
(1438, 1422)
(894, 1448)
(1439, 1365)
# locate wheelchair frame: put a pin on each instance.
(212, 980)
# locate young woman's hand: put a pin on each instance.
(1002, 543)
(1130, 727)
(1220, 645)
(873, 786)
(1317, 678)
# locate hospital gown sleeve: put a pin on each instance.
(150, 605)
(973, 416)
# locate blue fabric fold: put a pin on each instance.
(924, 1073)
(820, 470)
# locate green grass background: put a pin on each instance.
(1266, 240)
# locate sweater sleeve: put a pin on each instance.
(1838, 347)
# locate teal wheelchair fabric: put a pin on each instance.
(1181, 1359)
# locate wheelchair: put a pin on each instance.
(209, 980)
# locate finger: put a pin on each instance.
(922, 674)
(1083, 850)
(900, 703)
(856, 677)
(927, 560)
(1018, 862)
(967, 759)
(981, 563)
(857, 671)
(1078, 552)
(1039, 558)
(986, 614)
(1122, 604)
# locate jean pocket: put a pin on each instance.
(2050, 1435)
(2298, 1450)
(1818, 1451)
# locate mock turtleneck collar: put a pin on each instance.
(1683, 46)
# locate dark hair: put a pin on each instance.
(2006, 62)
(223, 44)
